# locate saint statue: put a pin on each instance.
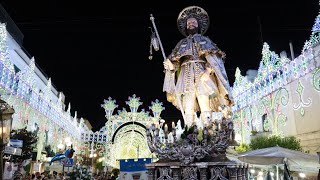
(196, 79)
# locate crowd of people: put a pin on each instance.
(63, 176)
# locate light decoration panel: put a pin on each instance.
(21, 86)
(267, 94)
(302, 102)
(316, 79)
(273, 73)
(314, 37)
(124, 133)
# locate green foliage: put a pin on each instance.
(27, 168)
(243, 148)
(289, 142)
(49, 151)
(254, 132)
(29, 141)
(99, 165)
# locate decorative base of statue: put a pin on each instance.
(199, 153)
(198, 170)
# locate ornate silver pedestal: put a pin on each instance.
(197, 154)
(199, 170)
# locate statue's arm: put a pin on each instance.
(171, 66)
(172, 61)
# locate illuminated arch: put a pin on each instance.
(125, 126)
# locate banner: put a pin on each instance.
(132, 165)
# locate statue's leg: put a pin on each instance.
(189, 100)
(189, 119)
(206, 118)
(203, 101)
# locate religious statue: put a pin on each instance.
(196, 79)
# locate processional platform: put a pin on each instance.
(198, 170)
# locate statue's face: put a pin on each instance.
(192, 26)
(192, 23)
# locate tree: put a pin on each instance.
(242, 148)
(289, 142)
(99, 165)
(49, 151)
(29, 141)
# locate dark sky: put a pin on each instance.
(96, 49)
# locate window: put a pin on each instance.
(16, 69)
(264, 121)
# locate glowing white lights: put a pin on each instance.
(273, 71)
(21, 86)
(92, 155)
(60, 146)
(238, 138)
(67, 140)
(302, 175)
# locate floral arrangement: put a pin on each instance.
(195, 135)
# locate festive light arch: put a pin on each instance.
(124, 133)
(136, 126)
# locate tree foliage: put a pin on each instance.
(49, 151)
(289, 142)
(99, 165)
(242, 148)
(29, 141)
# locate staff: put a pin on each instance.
(158, 37)
(168, 73)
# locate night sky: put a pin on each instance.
(96, 49)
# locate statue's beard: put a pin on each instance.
(193, 31)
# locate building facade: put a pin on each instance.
(38, 105)
(283, 98)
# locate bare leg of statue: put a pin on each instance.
(203, 101)
(189, 101)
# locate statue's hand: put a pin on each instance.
(168, 65)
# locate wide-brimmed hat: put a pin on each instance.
(196, 12)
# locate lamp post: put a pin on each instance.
(67, 144)
(251, 173)
(92, 154)
(318, 153)
(5, 128)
